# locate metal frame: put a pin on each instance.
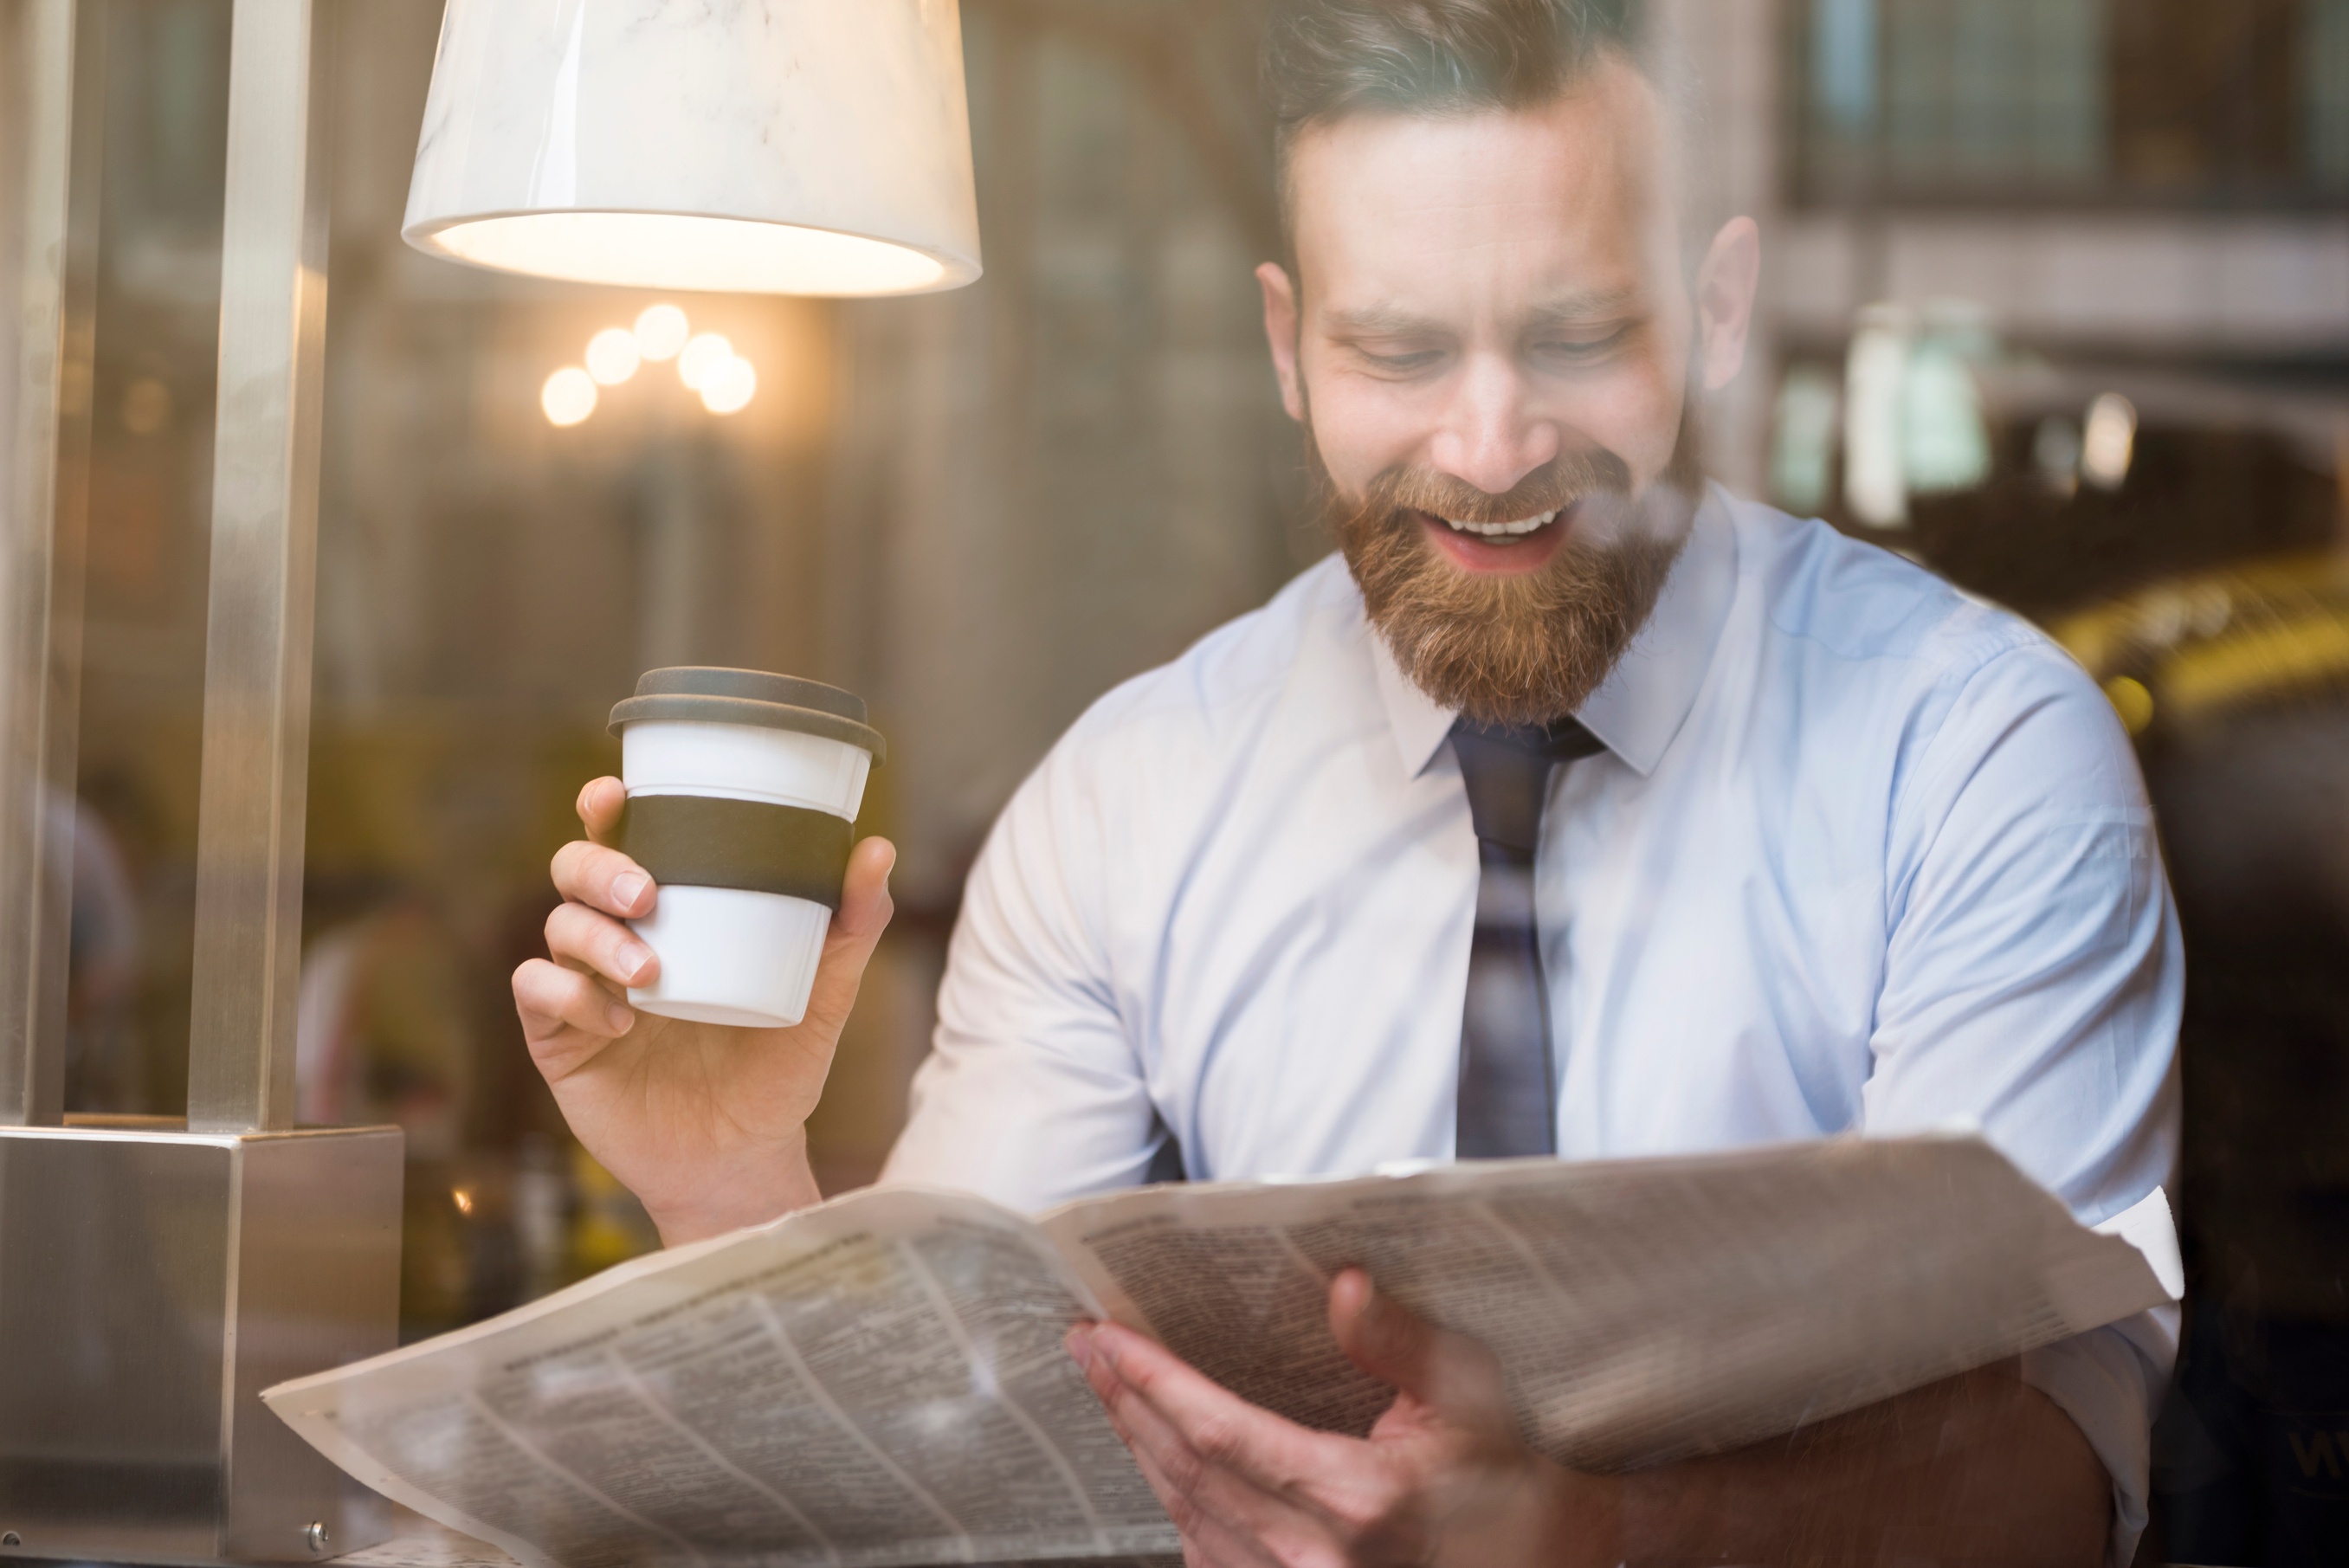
(264, 571)
(55, 62)
(155, 1276)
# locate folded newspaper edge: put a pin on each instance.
(881, 1380)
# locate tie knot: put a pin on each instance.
(1507, 770)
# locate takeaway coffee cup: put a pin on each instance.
(741, 788)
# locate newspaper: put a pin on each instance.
(881, 1380)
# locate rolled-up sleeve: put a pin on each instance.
(1033, 1093)
(2032, 985)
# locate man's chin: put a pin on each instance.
(1509, 555)
(1519, 646)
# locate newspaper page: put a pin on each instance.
(1642, 1310)
(877, 1381)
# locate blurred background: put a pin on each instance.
(2056, 301)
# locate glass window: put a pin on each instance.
(2038, 101)
(2055, 307)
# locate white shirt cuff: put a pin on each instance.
(2110, 1381)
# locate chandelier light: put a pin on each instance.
(707, 364)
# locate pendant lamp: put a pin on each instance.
(804, 146)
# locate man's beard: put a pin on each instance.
(1525, 648)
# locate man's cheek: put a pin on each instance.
(1635, 415)
(1361, 437)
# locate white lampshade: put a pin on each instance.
(809, 147)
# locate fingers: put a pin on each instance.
(1450, 1372)
(1223, 1429)
(565, 1013)
(600, 803)
(864, 911)
(865, 902)
(580, 938)
(1225, 1519)
(1208, 1542)
(603, 879)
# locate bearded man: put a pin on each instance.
(1578, 808)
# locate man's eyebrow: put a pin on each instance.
(1379, 321)
(1580, 308)
(1565, 310)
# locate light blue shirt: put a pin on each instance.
(1862, 854)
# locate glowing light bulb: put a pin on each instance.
(2108, 441)
(730, 389)
(613, 355)
(661, 330)
(705, 353)
(568, 396)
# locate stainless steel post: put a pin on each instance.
(153, 1281)
(52, 110)
(263, 573)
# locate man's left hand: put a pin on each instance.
(1443, 1478)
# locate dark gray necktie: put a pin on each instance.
(1508, 1082)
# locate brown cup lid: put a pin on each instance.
(698, 693)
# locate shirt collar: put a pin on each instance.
(1644, 701)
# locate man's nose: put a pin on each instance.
(1490, 437)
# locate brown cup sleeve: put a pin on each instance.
(699, 841)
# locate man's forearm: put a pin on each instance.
(1978, 1469)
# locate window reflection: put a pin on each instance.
(2056, 302)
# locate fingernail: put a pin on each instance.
(628, 887)
(634, 956)
(1080, 1344)
(622, 1019)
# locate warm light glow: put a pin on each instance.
(679, 251)
(1876, 373)
(568, 396)
(2108, 442)
(612, 355)
(464, 1199)
(702, 357)
(730, 389)
(661, 330)
(2132, 702)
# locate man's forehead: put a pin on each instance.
(1577, 177)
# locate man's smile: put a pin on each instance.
(1505, 529)
(1499, 549)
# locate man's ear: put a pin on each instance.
(1726, 283)
(1280, 334)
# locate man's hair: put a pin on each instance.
(1324, 60)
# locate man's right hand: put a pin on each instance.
(706, 1124)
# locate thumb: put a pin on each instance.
(864, 911)
(1448, 1372)
(601, 805)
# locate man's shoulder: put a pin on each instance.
(1145, 765)
(1223, 685)
(1862, 611)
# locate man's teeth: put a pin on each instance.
(1503, 530)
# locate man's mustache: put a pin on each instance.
(1555, 485)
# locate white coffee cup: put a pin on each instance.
(742, 786)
